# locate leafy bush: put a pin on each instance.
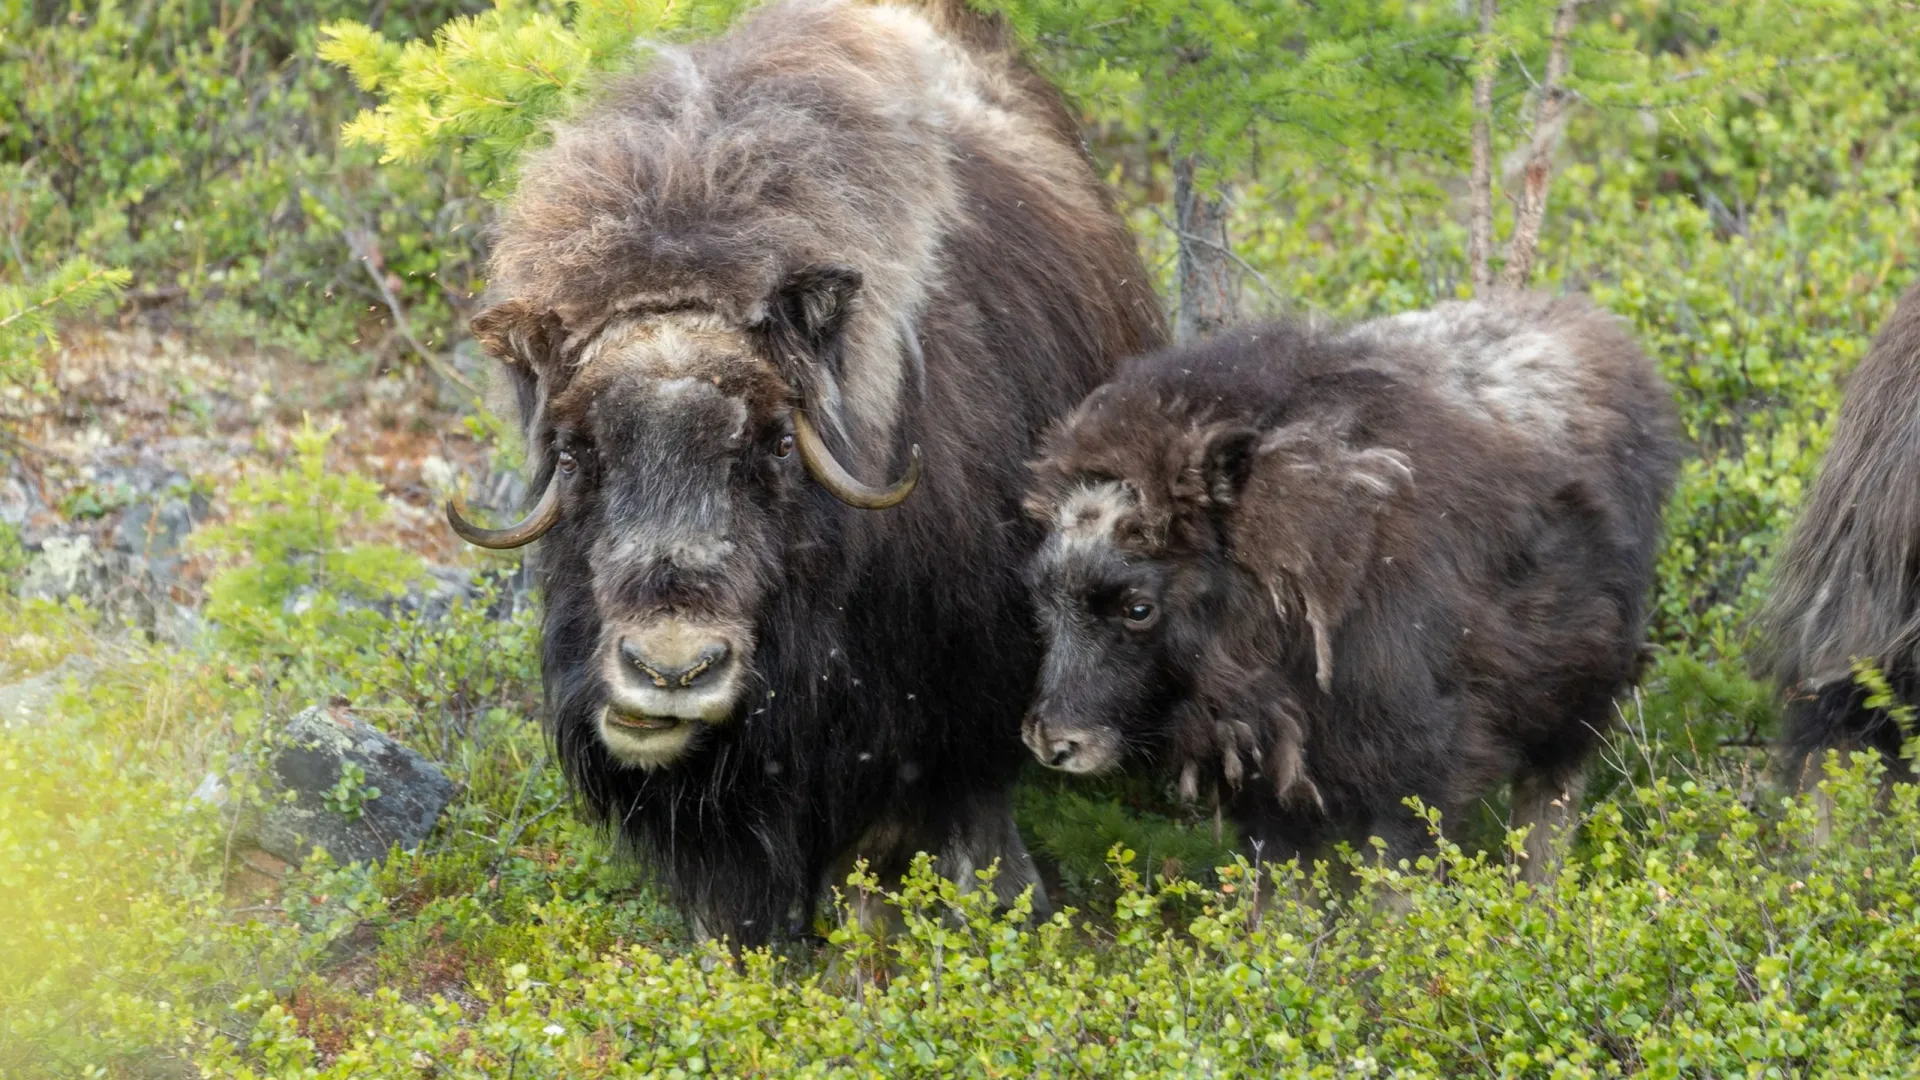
(292, 577)
(1697, 930)
(195, 142)
(1700, 938)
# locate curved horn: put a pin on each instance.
(834, 477)
(529, 528)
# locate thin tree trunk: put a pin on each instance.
(1209, 278)
(1480, 184)
(1546, 133)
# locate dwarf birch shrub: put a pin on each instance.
(1702, 936)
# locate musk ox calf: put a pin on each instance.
(1848, 586)
(1322, 571)
(786, 314)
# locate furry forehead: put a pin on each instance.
(1095, 510)
(667, 348)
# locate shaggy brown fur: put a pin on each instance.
(1848, 586)
(878, 215)
(1325, 571)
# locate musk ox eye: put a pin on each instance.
(1140, 614)
(784, 447)
(568, 462)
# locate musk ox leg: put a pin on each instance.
(1812, 768)
(1547, 804)
(1836, 717)
(977, 834)
(984, 833)
(887, 848)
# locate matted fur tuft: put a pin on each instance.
(1337, 568)
(815, 132)
(1848, 585)
(879, 213)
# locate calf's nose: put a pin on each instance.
(689, 669)
(1061, 751)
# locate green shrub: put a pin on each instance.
(1753, 234)
(485, 86)
(1712, 939)
(195, 142)
(291, 576)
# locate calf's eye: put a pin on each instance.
(1139, 613)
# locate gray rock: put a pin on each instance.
(319, 743)
(503, 492)
(19, 499)
(211, 790)
(466, 358)
(431, 597)
(22, 703)
(65, 566)
(127, 589)
(154, 529)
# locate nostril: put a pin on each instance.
(711, 660)
(671, 676)
(637, 661)
(1063, 751)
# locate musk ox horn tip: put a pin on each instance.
(528, 529)
(827, 471)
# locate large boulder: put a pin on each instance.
(392, 795)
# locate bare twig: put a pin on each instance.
(367, 252)
(1259, 278)
(1546, 132)
(1480, 184)
(34, 448)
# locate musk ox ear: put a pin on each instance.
(805, 330)
(1308, 523)
(519, 333)
(529, 340)
(1215, 465)
(809, 309)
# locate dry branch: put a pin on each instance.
(1546, 133)
(366, 251)
(1480, 183)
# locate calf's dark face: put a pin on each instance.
(1128, 636)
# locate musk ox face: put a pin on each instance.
(674, 447)
(1189, 588)
(1134, 633)
(679, 462)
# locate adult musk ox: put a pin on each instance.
(1848, 585)
(786, 314)
(1322, 571)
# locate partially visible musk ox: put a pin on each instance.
(1848, 586)
(786, 314)
(1321, 571)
